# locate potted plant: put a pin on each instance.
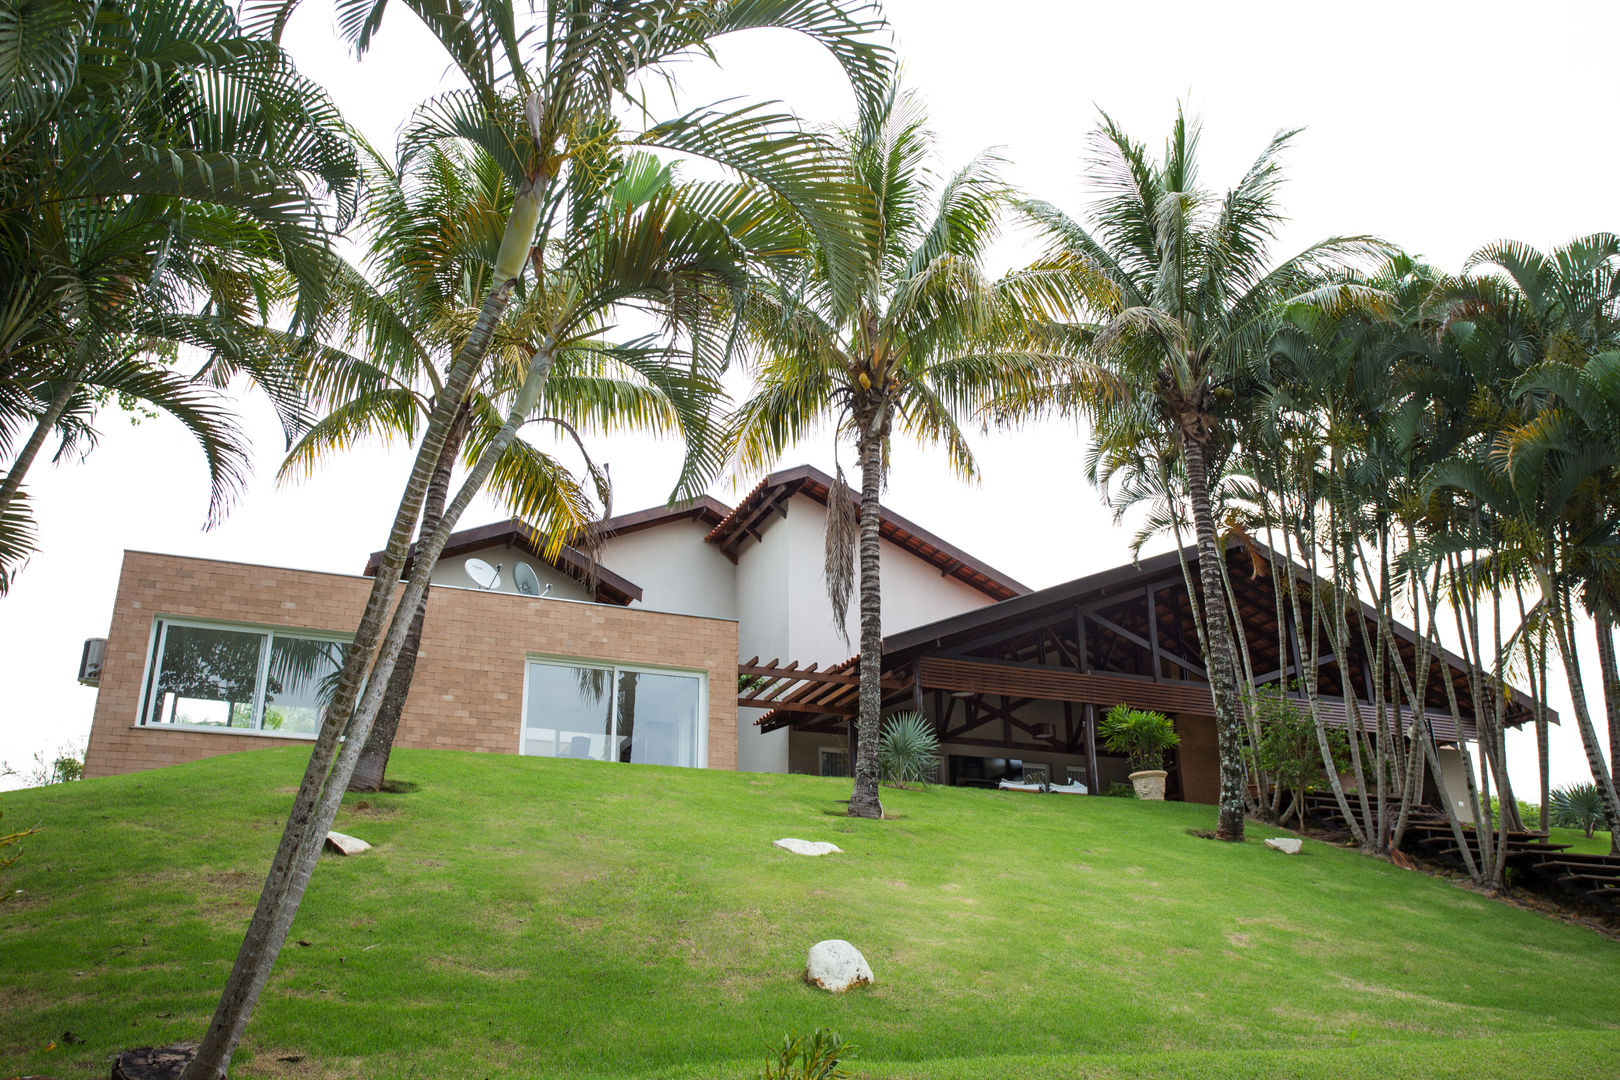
(1143, 736)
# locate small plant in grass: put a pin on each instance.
(816, 1056)
(1579, 806)
(1140, 734)
(1120, 790)
(6, 841)
(909, 749)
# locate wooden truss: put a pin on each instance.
(832, 691)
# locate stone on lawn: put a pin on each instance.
(344, 844)
(1288, 845)
(807, 847)
(836, 965)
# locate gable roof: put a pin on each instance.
(705, 508)
(607, 587)
(771, 495)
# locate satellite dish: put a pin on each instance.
(525, 579)
(484, 575)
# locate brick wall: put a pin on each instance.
(468, 689)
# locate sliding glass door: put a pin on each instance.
(614, 714)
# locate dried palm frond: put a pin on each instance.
(843, 537)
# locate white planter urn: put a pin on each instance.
(1149, 783)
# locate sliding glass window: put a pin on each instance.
(614, 714)
(246, 678)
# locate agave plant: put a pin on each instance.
(1579, 806)
(909, 749)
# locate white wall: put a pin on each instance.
(914, 592)
(676, 569)
(783, 609)
(763, 620)
(453, 572)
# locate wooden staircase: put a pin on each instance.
(1592, 878)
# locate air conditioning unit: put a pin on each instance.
(95, 651)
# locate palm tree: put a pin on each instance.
(1548, 468)
(541, 101)
(1185, 297)
(379, 370)
(154, 162)
(920, 339)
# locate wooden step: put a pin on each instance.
(1607, 879)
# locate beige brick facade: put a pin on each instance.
(468, 689)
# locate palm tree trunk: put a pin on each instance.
(1607, 664)
(372, 768)
(1218, 661)
(325, 778)
(42, 431)
(863, 800)
(1564, 637)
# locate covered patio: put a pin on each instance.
(1014, 690)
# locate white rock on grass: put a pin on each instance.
(1288, 845)
(836, 966)
(344, 844)
(808, 847)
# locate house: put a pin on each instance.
(702, 635)
(629, 651)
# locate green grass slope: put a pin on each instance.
(524, 918)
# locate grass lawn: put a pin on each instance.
(525, 918)
(1596, 844)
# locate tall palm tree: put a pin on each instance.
(381, 366)
(920, 340)
(154, 162)
(541, 98)
(1549, 468)
(1184, 296)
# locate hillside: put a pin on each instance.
(522, 917)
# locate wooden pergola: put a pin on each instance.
(1126, 635)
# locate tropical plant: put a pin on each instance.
(541, 99)
(1332, 469)
(917, 338)
(910, 749)
(1184, 297)
(1142, 735)
(816, 1056)
(1579, 806)
(156, 164)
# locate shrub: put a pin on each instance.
(908, 750)
(1139, 734)
(1120, 790)
(1288, 751)
(66, 767)
(809, 1057)
(1579, 806)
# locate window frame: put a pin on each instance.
(613, 666)
(267, 633)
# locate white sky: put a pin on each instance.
(1439, 126)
